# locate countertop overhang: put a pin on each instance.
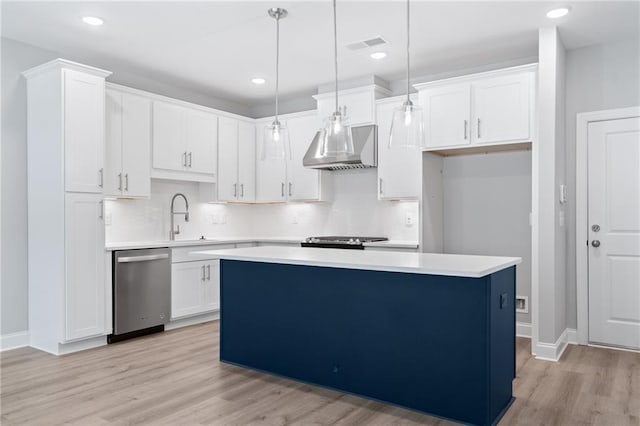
(471, 266)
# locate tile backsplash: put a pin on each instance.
(354, 210)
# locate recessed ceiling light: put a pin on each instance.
(92, 20)
(557, 13)
(258, 80)
(378, 55)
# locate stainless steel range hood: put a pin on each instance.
(365, 144)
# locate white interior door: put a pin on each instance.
(614, 232)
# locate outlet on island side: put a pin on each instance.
(408, 219)
(522, 304)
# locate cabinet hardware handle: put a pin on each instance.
(184, 159)
(101, 172)
(465, 129)
(242, 190)
(282, 189)
(380, 188)
(290, 190)
(126, 181)
(202, 272)
(101, 209)
(190, 153)
(119, 181)
(209, 272)
(235, 189)
(478, 128)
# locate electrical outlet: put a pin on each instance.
(107, 219)
(294, 219)
(522, 304)
(408, 219)
(223, 218)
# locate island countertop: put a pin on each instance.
(471, 266)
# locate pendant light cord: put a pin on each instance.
(277, 62)
(408, 81)
(335, 48)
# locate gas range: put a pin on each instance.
(341, 242)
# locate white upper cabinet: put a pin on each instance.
(128, 146)
(399, 170)
(227, 159)
(169, 150)
(201, 143)
(488, 109)
(502, 108)
(303, 184)
(271, 175)
(184, 143)
(84, 101)
(236, 153)
(446, 112)
(246, 162)
(359, 104)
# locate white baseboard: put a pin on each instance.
(554, 351)
(14, 340)
(523, 329)
(572, 336)
(198, 319)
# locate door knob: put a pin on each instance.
(595, 243)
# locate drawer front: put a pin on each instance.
(181, 254)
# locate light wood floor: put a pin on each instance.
(175, 378)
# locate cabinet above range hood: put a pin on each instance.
(365, 145)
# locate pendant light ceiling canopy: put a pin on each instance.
(407, 125)
(336, 134)
(275, 144)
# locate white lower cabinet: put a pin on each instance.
(195, 288)
(85, 307)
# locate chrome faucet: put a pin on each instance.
(174, 232)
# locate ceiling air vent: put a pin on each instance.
(363, 44)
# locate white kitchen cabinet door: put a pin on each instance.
(84, 114)
(246, 162)
(202, 142)
(502, 108)
(113, 144)
(211, 286)
(85, 290)
(187, 281)
(136, 146)
(399, 170)
(227, 159)
(447, 115)
(169, 146)
(303, 183)
(271, 175)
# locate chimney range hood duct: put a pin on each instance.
(365, 145)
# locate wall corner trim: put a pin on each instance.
(16, 340)
(553, 351)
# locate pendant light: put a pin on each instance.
(407, 125)
(336, 135)
(275, 145)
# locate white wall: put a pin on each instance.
(354, 210)
(605, 76)
(487, 201)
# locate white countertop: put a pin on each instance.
(131, 245)
(416, 263)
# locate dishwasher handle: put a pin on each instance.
(131, 259)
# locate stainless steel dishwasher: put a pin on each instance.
(141, 292)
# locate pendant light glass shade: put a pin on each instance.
(275, 143)
(336, 136)
(407, 125)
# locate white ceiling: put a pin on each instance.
(217, 47)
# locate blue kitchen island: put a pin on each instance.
(429, 332)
